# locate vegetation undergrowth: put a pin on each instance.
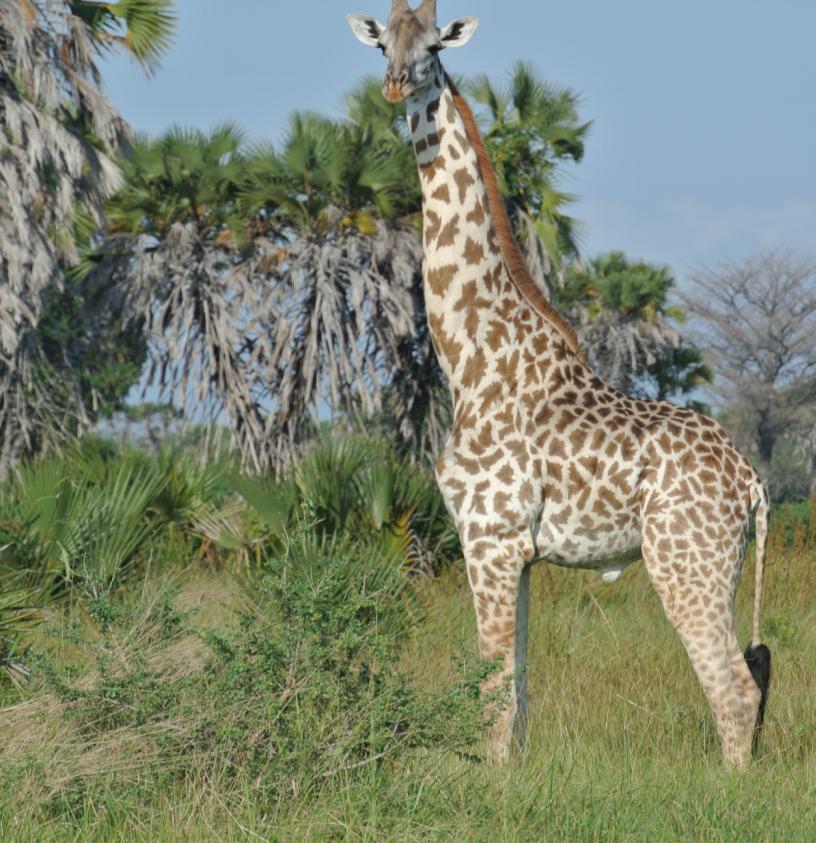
(314, 689)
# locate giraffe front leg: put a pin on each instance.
(500, 585)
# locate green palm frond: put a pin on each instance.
(19, 614)
(189, 489)
(482, 90)
(568, 141)
(275, 502)
(533, 126)
(355, 488)
(366, 107)
(71, 528)
(19, 610)
(149, 27)
(527, 93)
(145, 28)
(185, 175)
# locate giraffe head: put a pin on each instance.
(411, 42)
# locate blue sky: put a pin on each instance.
(704, 116)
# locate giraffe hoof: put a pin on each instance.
(497, 755)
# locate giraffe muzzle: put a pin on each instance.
(396, 89)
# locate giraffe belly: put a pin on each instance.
(574, 544)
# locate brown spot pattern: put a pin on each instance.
(546, 461)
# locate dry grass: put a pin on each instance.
(60, 750)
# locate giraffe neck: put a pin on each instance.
(476, 310)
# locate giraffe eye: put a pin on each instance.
(434, 49)
(381, 48)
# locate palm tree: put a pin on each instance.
(271, 283)
(60, 136)
(629, 330)
(352, 327)
(182, 254)
(531, 128)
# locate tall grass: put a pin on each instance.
(327, 696)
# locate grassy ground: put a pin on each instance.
(621, 744)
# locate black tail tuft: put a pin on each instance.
(758, 659)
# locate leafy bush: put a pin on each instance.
(128, 683)
(309, 685)
(354, 486)
(303, 689)
(788, 519)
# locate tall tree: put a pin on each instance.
(60, 136)
(757, 323)
(270, 282)
(353, 325)
(628, 327)
(182, 249)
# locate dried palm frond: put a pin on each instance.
(621, 348)
(60, 136)
(348, 306)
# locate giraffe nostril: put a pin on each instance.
(404, 78)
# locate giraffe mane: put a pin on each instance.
(510, 252)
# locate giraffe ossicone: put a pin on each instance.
(544, 461)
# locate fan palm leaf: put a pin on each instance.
(61, 527)
(531, 127)
(144, 28)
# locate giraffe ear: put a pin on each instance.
(458, 32)
(367, 29)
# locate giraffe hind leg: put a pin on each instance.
(702, 613)
(520, 679)
(752, 686)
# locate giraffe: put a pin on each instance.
(544, 461)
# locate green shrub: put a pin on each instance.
(790, 518)
(127, 684)
(358, 487)
(304, 689)
(309, 687)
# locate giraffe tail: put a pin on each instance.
(757, 655)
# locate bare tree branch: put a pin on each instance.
(756, 320)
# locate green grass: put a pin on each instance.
(139, 724)
(621, 743)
